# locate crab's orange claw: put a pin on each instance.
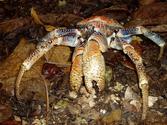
(93, 67)
(143, 81)
(76, 75)
(101, 40)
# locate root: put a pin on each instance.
(46, 96)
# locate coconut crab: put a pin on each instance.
(91, 38)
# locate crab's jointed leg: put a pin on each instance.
(68, 37)
(147, 33)
(28, 62)
(93, 63)
(143, 81)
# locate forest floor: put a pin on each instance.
(121, 101)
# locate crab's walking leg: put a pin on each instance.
(147, 33)
(26, 65)
(93, 63)
(18, 80)
(66, 37)
(143, 81)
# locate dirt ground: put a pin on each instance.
(121, 101)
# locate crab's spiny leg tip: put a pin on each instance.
(144, 88)
(18, 81)
(161, 52)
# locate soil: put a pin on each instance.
(111, 107)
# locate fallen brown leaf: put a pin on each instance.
(5, 112)
(118, 12)
(31, 80)
(152, 14)
(147, 2)
(151, 11)
(38, 21)
(11, 122)
(14, 24)
(50, 18)
(35, 17)
(60, 19)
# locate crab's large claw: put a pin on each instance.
(143, 81)
(93, 63)
(76, 74)
(147, 33)
(68, 37)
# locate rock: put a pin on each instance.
(132, 100)
(151, 100)
(130, 94)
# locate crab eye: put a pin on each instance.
(116, 30)
(90, 27)
(79, 37)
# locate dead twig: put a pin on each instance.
(46, 95)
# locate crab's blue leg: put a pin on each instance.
(147, 33)
(68, 37)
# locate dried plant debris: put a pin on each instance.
(38, 21)
(118, 12)
(31, 78)
(112, 117)
(5, 112)
(119, 103)
(151, 14)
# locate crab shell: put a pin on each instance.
(88, 61)
(102, 24)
